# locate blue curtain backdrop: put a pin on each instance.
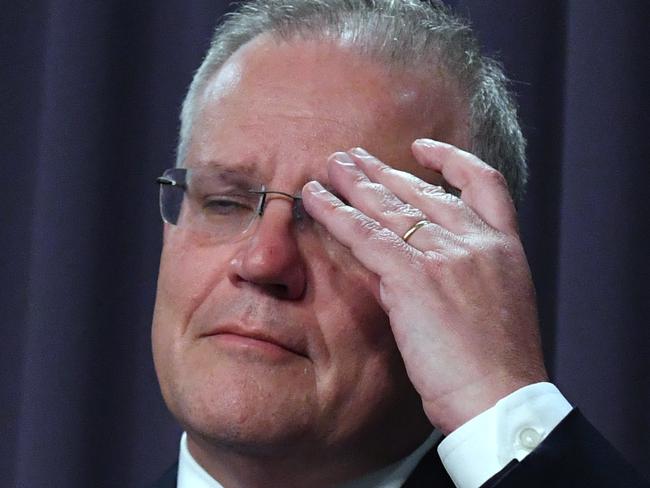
(90, 92)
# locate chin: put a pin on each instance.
(245, 409)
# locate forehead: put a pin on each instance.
(286, 105)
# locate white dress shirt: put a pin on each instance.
(471, 454)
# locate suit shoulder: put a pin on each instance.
(168, 479)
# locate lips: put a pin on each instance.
(287, 343)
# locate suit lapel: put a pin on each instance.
(167, 480)
(429, 473)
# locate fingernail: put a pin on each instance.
(315, 187)
(427, 142)
(342, 158)
(359, 151)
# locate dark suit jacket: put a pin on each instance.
(573, 455)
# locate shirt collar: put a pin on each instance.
(192, 475)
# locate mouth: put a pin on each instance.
(236, 337)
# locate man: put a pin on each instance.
(325, 315)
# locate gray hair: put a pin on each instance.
(406, 34)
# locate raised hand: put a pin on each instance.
(453, 276)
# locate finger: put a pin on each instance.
(428, 236)
(482, 187)
(379, 203)
(377, 248)
(438, 205)
(373, 199)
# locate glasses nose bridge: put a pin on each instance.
(267, 195)
(297, 212)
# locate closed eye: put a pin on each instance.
(226, 206)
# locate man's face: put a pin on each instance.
(336, 379)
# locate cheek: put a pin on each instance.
(347, 281)
(342, 272)
(361, 375)
(353, 324)
(187, 274)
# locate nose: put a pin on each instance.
(270, 257)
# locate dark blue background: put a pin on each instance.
(90, 92)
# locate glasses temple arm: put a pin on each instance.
(163, 180)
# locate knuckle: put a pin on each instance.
(431, 191)
(385, 236)
(400, 211)
(465, 256)
(459, 261)
(452, 200)
(366, 226)
(360, 178)
(411, 255)
(509, 248)
(385, 169)
(336, 205)
(435, 263)
(440, 194)
(494, 176)
(410, 179)
(382, 232)
(495, 248)
(376, 188)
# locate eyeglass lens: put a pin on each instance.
(214, 202)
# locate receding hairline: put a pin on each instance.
(433, 85)
(401, 33)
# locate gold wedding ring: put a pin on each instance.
(412, 230)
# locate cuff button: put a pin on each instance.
(529, 438)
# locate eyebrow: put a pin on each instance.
(248, 169)
(252, 171)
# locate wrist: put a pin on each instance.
(449, 412)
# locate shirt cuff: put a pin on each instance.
(511, 429)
